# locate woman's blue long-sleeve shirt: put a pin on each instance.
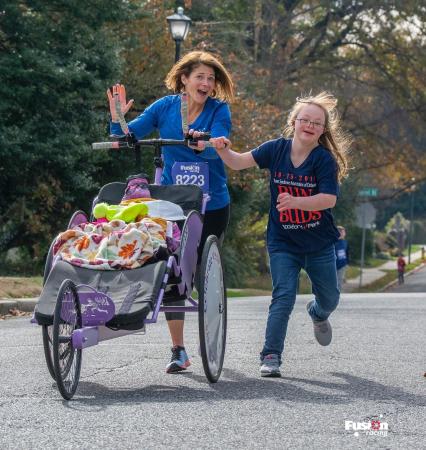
(164, 115)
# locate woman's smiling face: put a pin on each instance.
(309, 123)
(200, 83)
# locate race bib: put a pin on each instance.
(341, 254)
(191, 173)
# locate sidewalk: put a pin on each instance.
(370, 275)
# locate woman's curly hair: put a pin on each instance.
(224, 89)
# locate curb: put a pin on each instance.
(23, 304)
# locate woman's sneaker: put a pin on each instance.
(270, 366)
(179, 360)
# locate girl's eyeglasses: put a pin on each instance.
(310, 122)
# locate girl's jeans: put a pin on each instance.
(285, 269)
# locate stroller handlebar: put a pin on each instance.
(198, 144)
(107, 145)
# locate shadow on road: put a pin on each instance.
(343, 389)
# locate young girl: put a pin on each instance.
(305, 168)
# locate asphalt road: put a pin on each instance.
(413, 282)
(373, 369)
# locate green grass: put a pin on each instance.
(20, 287)
(415, 248)
(374, 262)
(368, 264)
(379, 284)
(256, 286)
(247, 293)
(234, 293)
(262, 285)
(262, 282)
(23, 287)
(259, 285)
(305, 286)
(352, 272)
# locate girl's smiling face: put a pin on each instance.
(200, 83)
(309, 124)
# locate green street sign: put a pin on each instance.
(368, 192)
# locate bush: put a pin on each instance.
(244, 249)
(354, 238)
(19, 262)
(383, 255)
(419, 232)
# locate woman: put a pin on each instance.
(209, 88)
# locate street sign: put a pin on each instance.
(365, 215)
(368, 192)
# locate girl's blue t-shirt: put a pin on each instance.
(294, 230)
(164, 115)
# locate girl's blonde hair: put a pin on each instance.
(333, 138)
(224, 89)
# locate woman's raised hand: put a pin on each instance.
(118, 91)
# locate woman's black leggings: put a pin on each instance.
(215, 222)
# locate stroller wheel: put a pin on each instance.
(47, 331)
(66, 358)
(212, 310)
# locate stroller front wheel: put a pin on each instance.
(66, 358)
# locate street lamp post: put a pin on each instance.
(410, 233)
(179, 28)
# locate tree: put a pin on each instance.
(56, 60)
(369, 53)
(398, 228)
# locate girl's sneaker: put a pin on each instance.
(322, 329)
(179, 360)
(270, 366)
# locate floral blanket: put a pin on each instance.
(111, 245)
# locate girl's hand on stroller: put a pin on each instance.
(220, 143)
(286, 201)
(118, 90)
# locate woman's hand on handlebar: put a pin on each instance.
(195, 134)
(118, 90)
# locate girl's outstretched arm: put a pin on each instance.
(234, 160)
